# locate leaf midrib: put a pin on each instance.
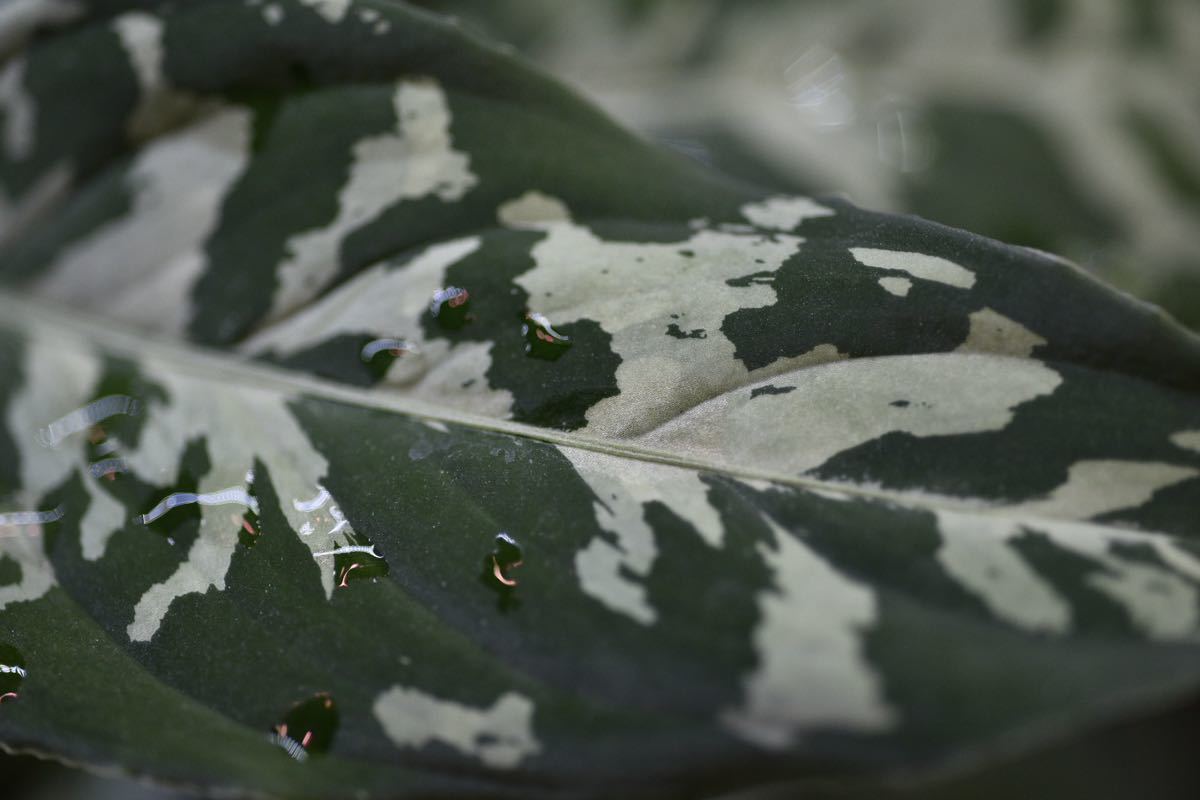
(50, 319)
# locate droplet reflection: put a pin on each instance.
(108, 468)
(316, 502)
(451, 307)
(541, 340)
(17, 519)
(234, 495)
(355, 559)
(308, 727)
(498, 567)
(12, 672)
(84, 418)
(393, 347)
(249, 525)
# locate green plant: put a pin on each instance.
(790, 489)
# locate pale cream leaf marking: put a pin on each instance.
(20, 117)
(141, 267)
(1102, 486)
(415, 160)
(840, 405)
(811, 636)
(896, 286)
(784, 213)
(636, 290)
(532, 210)
(622, 488)
(992, 332)
(1163, 603)
(975, 551)
(237, 427)
(20, 18)
(919, 265)
(1188, 440)
(501, 736)
(334, 11)
(389, 300)
(160, 106)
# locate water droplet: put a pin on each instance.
(108, 468)
(358, 560)
(234, 495)
(498, 567)
(88, 418)
(451, 307)
(20, 519)
(393, 347)
(12, 672)
(249, 525)
(308, 727)
(315, 503)
(541, 340)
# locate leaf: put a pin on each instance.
(909, 109)
(790, 489)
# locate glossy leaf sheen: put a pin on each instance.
(787, 489)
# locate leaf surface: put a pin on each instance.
(796, 489)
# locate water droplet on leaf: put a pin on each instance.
(234, 495)
(395, 348)
(354, 560)
(308, 727)
(21, 519)
(89, 418)
(108, 469)
(498, 567)
(249, 524)
(12, 672)
(541, 340)
(451, 307)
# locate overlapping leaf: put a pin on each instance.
(797, 489)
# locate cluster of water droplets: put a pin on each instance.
(309, 726)
(101, 451)
(451, 307)
(355, 557)
(102, 447)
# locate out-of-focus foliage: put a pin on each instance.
(1068, 125)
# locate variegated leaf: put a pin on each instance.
(369, 401)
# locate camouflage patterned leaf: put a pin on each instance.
(525, 459)
(1078, 117)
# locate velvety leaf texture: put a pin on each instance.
(378, 419)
